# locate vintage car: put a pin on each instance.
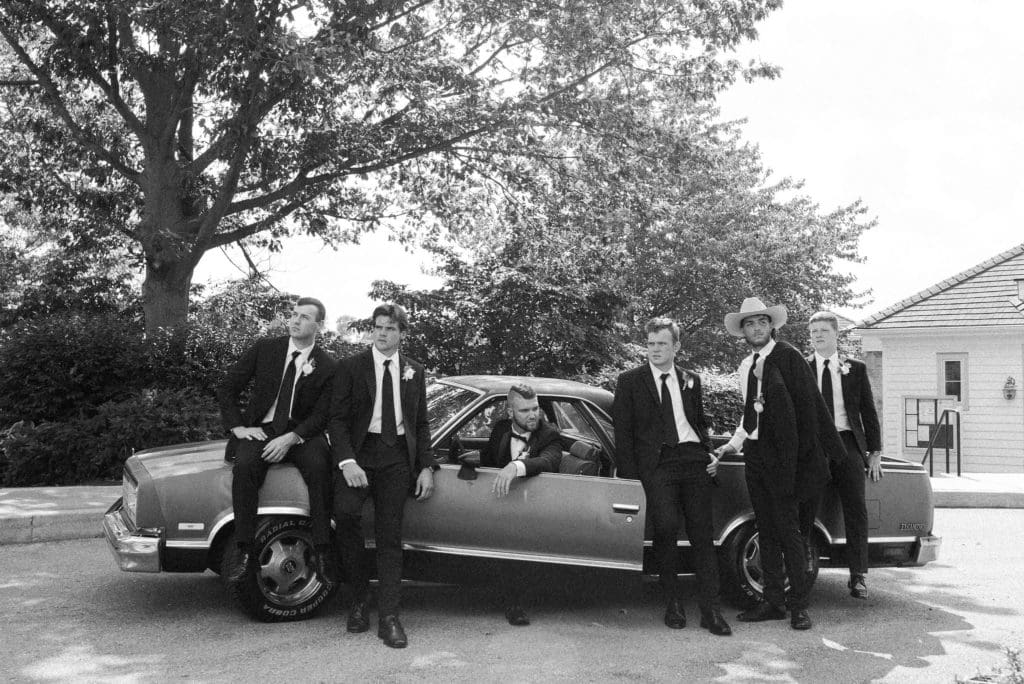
(175, 512)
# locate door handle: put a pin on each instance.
(631, 509)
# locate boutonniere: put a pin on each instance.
(687, 380)
(844, 367)
(308, 367)
(409, 373)
(759, 404)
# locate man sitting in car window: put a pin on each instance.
(522, 445)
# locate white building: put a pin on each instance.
(957, 345)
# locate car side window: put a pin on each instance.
(480, 425)
(570, 420)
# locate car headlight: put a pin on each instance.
(129, 495)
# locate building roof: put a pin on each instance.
(984, 295)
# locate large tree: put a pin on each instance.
(210, 123)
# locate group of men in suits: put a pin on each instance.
(806, 421)
(358, 429)
(355, 429)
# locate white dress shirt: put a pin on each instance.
(683, 428)
(518, 450)
(842, 420)
(737, 438)
(300, 361)
(378, 369)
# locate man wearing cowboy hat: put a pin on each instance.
(784, 451)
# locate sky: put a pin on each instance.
(913, 106)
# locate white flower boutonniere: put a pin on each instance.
(689, 381)
(308, 367)
(844, 367)
(409, 373)
(759, 404)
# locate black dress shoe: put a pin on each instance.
(675, 618)
(858, 586)
(326, 565)
(358, 617)
(761, 612)
(390, 630)
(713, 621)
(245, 568)
(516, 616)
(800, 620)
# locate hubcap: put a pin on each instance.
(287, 571)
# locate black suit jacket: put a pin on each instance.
(355, 388)
(859, 404)
(796, 435)
(636, 412)
(263, 364)
(544, 448)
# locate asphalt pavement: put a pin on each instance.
(38, 514)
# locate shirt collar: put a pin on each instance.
(379, 358)
(658, 373)
(832, 360)
(765, 350)
(303, 353)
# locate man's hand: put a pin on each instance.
(504, 479)
(354, 475)
(276, 449)
(723, 450)
(256, 433)
(875, 466)
(424, 484)
(713, 466)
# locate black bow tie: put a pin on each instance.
(523, 438)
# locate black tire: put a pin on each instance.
(740, 570)
(286, 587)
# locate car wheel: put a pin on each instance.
(742, 575)
(286, 586)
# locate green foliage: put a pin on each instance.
(95, 448)
(192, 125)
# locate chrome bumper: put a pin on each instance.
(927, 550)
(134, 550)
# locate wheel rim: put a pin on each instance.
(287, 570)
(753, 573)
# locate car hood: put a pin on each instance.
(182, 459)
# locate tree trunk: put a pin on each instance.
(165, 295)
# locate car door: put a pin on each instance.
(568, 519)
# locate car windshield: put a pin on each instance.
(444, 402)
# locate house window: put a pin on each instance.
(953, 377)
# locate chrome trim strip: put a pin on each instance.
(262, 510)
(197, 545)
(625, 508)
(731, 527)
(533, 557)
(891, 540)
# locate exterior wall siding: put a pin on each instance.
(992, 437)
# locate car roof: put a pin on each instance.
(499, 384)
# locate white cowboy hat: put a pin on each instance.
(752, 306)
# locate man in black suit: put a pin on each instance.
(380, 440)
(785, 436)
(846, 389)
(661, 438)
(284, 421)
(523, 445)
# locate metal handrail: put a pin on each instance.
(931, 443)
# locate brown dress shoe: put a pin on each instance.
(675, 617)
(800, 620)
(761, 612)
(713, 621)
(390, 630)
(358, 617)
(858, 586)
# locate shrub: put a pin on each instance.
(82, 449)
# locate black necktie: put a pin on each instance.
(284, 398)
(826, 389)
(388, 428)
(749, 415)
(671, 435)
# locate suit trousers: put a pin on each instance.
(683, 487)
(389, 486)
(250, 471)
(783, 549)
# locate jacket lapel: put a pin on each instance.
(648, 380)
(685, 393)
(369, 374)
